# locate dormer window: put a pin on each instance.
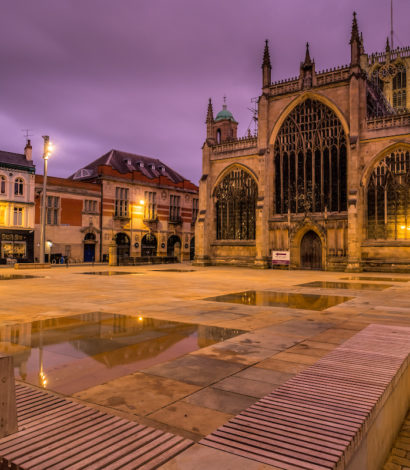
(128, 161)
(140, 164)
(18, 186)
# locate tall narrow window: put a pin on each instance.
(195, 208)
(53, 206)
(18, 186)
(236, 197)
(2, 184)
(399, 88)
(388, 198)
(90, 206)
(18, 216)
(150, 208)
(121, 202)
(310, 161)
(175, 208)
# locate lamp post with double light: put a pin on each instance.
(48, 147)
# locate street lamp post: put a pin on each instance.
(46, 154)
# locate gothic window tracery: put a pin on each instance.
(236, 197)
(399, 88)
(388, 197)
(310, 161)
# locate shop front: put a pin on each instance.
(17, 245)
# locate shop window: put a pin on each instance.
(18, 186)
(3, 211)
(236, 197)
(121, 202)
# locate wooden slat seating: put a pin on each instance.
(56, 433)
(318, 419)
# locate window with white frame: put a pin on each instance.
(53, 207)
(121, 202)
(150, 209)
(18, 216)
(18, 186)
(90, 206)
(2, 184)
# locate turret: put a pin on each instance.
(266, 67)
(307, 77)
(355, 43)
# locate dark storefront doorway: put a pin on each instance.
(174, 246)
(192, 249)
(123, 247)
(311, 251)
(149, 245)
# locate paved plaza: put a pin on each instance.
(199, 390)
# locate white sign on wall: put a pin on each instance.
(281, 257)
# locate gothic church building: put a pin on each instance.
(327, 177)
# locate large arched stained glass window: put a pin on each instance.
(310, 161)
(388, 197)
(399, 88)
(236, 197)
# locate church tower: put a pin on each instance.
(223, 128)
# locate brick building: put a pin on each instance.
(147, 209)
(327, 177)
(73, 219)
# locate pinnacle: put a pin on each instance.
(266, 56)
(210, 112)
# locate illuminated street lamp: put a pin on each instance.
(48, 147)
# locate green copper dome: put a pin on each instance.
(224, 115)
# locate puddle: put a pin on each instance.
(282, 299)
(9, 277)
(346, 285)
(111, 273)
(175, 270)
(368, 278)
(69, 354)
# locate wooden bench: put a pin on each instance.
(343, 412)
(8, 412)
(56, 433)
(32, 266)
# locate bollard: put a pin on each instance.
(8, 411)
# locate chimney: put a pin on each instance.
(28, 150)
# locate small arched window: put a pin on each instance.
(399, 88)
(2, 184)
(218, 136)
(18, 186)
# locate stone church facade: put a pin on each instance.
(327, 177)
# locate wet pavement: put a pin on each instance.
(10, 277)
(346, 285)
(282, 299)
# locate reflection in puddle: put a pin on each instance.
(69, 354)
(111, 273)
(346, 285)
(282, 299)
(368, 278)
(8, 277)
(175, 270)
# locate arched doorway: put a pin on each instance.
(192, 249)
(89, 247)
(122, 241)
(149, 245)
(174, 246)
(311, 251)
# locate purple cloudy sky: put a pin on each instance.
(136, 75)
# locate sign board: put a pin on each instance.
(281, 257)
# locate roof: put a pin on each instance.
(65, 182)
(15, 159)
(224, 114)
(125, 162)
